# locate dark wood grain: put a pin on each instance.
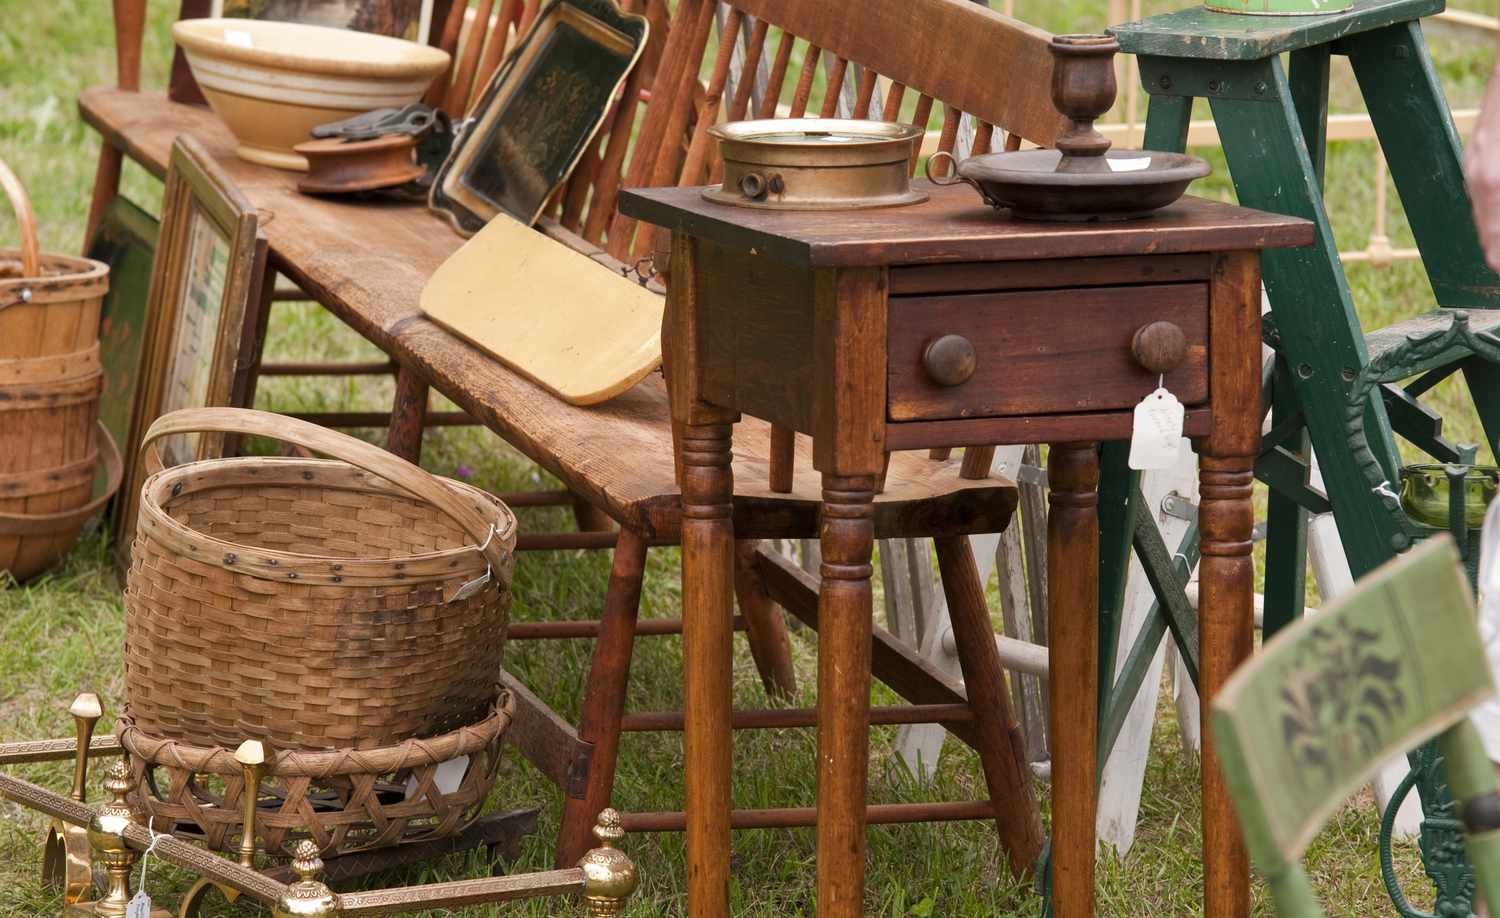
(1227, 572)
(604, 700)
(765, 626)
(1003, 753)
(844, 633)
(408, 415)
(1073, 672)
(974, 277)
(955, 225)
(1022, 354)
(1112, 425)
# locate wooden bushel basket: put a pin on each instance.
(50, 380)
(349, 613)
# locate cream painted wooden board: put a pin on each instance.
(551, 313)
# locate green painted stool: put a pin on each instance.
(1272, 122)
(1311, 717)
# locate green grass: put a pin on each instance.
(63, 633)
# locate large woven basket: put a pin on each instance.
(50, 380)
(313, 605)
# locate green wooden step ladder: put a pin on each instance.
(1272, 122)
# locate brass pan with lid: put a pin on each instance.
(816, 164)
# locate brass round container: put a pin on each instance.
(816, 164)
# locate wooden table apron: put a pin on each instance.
(792, 318)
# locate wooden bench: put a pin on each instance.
(367, 264)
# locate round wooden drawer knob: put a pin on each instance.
(950, 360)
(1160, 347)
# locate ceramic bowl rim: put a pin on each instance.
(196, 37)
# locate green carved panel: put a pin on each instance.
(1327, 700)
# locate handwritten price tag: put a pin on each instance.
(139, 906)
(1156, 440)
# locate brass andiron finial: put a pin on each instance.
(66, 861)
(106, 834)
(609, 875)
(252, 758)
(86, 710)
(309, 897)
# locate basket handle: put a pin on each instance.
(404, 475)
(31, 253)
(23, 524)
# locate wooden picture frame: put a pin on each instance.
(408, 19)
(538, 114)
(209, 267)
(126, 241)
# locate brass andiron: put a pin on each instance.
(609, 875)
(309, 897)
(66, 863)
(252, 758)
(106, 834)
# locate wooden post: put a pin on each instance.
(1073, 671)
(1226, 613)
(1002, 750)
(844, 635)
(707, 650)
(604, 698)
(765, 626)
(408, 415)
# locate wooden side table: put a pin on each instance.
(823, 322)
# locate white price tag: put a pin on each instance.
(1133, 164)
(1156, 440)
(239, 38)
(139, 906)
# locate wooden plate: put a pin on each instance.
(553, 314)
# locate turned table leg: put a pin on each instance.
(844, 633)
(707, 650)
(1226, 573)
(1073, 639)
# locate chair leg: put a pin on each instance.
(1002, 750)
(408, 415)
(590, 518)
(604, 699)
(765, 626)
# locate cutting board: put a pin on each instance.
(549, 312)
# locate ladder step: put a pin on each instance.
(1393, 336)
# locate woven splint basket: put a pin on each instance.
(348, 613)
(50, 380)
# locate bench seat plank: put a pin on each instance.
(367, 263)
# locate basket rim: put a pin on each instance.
(465, 561)
(218, 760)
(81, 269)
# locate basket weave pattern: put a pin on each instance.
(219, 648)
(345, 801)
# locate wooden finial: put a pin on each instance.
(609, 876)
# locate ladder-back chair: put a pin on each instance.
(1391, 664)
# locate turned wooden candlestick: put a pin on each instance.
(1083, 88)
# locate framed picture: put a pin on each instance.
(209, 266)
(538, 114)
(126, 241)
(408, 19)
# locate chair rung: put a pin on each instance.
(794, 817)
(557, 498)
(562, 541)
(647, 721)
(587, 628)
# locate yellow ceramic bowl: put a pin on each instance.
(273, 82)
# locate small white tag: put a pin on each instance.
(139, 906)
(1156, 440)
(1134, 164)
(448, 777)
(239, 38)
(472, 587)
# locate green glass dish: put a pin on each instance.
(1424, 494)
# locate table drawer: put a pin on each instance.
(1040, 351)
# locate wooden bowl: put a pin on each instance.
(273, 82)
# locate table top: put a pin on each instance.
(954, 225)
